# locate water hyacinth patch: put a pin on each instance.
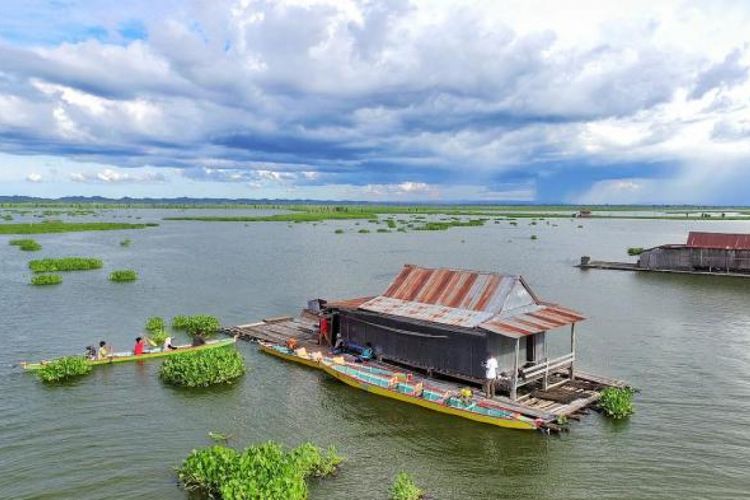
(617, 402)
(262, 471)
(203, 368)
(202, 324)
(64, 264)
(46, 279)
(122, 275)
(62, 369)
(27, 245)
(404, 488)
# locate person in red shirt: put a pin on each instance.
(140, 345)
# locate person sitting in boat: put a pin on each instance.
(140, 346)
(198, 340)
(465, 394)
(291, 344)
(90, 352)
(104, 351)
(167, 346)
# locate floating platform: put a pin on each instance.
(629, 266)
(547, 409)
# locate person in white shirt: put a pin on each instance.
(490, 375)
(168, 345)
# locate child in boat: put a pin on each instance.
(90, 352)
(140, 346)
(104, 352)
(168, 345)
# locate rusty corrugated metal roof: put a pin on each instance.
(495, 302)
(728, 241)
(348, 303)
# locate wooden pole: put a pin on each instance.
(572, 348)
(514, 379)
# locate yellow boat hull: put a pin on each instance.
(326, 366)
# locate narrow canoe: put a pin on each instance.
(124, 357)
(388, 384)
(286, 354)
(380, 381)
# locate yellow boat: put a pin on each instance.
(124, 357)
(401, 387)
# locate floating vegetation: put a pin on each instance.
(339, 231)
(291, 217)
(126, 242)
(202, 324)
(513, 223)
(46, 279)
(580, 226)
(27, 245)
(62, 369)
(261, 471)
(383, 230)
(390, 223)
(401, 230)
(67, 227)
(64, 264)
(155, 324)
(122, 275)
(404, 488)
(635, 250)
(533, 237)
(363, 231)
(442, 226)
(203, 368)
(617, 402)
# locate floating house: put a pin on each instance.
(584, 213)
(706, 252)
(446, 321)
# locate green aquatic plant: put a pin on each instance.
(62, 369)
(533, 237)
(363, 231)
(390, 223)
(202, 324)
(442, 226)
(67, 227)
(27, 245)
(203, 368)
(404, 488)
(635, 251)
(123, 275)
(383, 230)
(617, 402)
(64, 264)
(339, 231)
(155, 324)
(46, 279)
(264, 471)
(126, 242)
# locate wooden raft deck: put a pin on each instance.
(629, 266)
(571, 400)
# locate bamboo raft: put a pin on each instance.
(570, 399)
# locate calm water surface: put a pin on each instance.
(685, 341)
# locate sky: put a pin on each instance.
(492, 101)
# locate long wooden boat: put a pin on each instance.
(287, 354)
(398, 386)
(124, 357)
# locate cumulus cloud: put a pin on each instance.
(34, 177)
(354, 93)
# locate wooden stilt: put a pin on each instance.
(572, 349)
(514, 379)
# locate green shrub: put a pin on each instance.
(27, 245)
(62, 369)
(203, 368)
(404, 488)
(617, 402)
(635, 250)
(204, 324)
(264, 471)
(64, 264)
(46, 279)
(122, 275)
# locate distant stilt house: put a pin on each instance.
(445, 321)
(713, 252)
(583, 213)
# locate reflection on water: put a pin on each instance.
(685, 341)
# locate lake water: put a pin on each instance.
(684, 341)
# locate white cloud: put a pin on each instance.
(34, 177)
(112, 176)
